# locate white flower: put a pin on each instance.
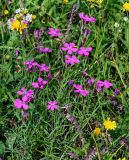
(9, 24)
(29, 17)
(126, 19)
(116, 25)
(18, 11)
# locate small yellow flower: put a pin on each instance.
(126, 6)
(122, 158)
(109, 125)
(97, 131)
(65, 1)
(18, 16)
(6, 12)
(34, 16)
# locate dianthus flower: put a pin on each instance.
(86, 18)
(52, 105)
(31, 65)
(106, 84)
(40, 84)
(69, 47)
(27, 96)
(109, 125)
(44, 50)
(54, 32)
(84, 51)
(43, 68)
(90, 81)
(71, 60)
(126, 6)
(20, 104)
(78, 89)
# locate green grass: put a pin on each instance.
(47, 135)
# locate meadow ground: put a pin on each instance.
(64, 80)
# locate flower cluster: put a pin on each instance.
(103, 84)
(25, 97)
(21, 20)
(70, 48)
(99, 2)
(39, 84)
(33, 66)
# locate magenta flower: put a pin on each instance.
(52, 105)
(40, 84)
(54, 32)
(22, 91)
(84, 51)
(71, 60)
(69, 47)
(78, 89)
(44, 67)
(27, 96)
(44, 50)
(90, 81)
(116, 92)
(100, 84)
(16, 52)
(86, 18)
(20, 104)
(71, 82)
(31, 65)
(107, 84)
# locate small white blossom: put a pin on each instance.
(29, 17)
(18, 11)
(116, 25)
(9, 24)
(126, 19)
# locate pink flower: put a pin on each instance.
(78, 89)
(86, 18)
(71, 60)
(84, 51)
(54, 32)
(20, 104)
(69, 47)
(31, 65)
(40, 84)
(27, 96)
(44, 50)
(44, 67)
(106, 84)
(52, 105)
(90, 81)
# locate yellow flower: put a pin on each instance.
(126, 6)
(109, 125)
(122, 158)
(97, 131)
(18, 25)
(65, 1)
(99, 1)
(34, 16)
(6, 12)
